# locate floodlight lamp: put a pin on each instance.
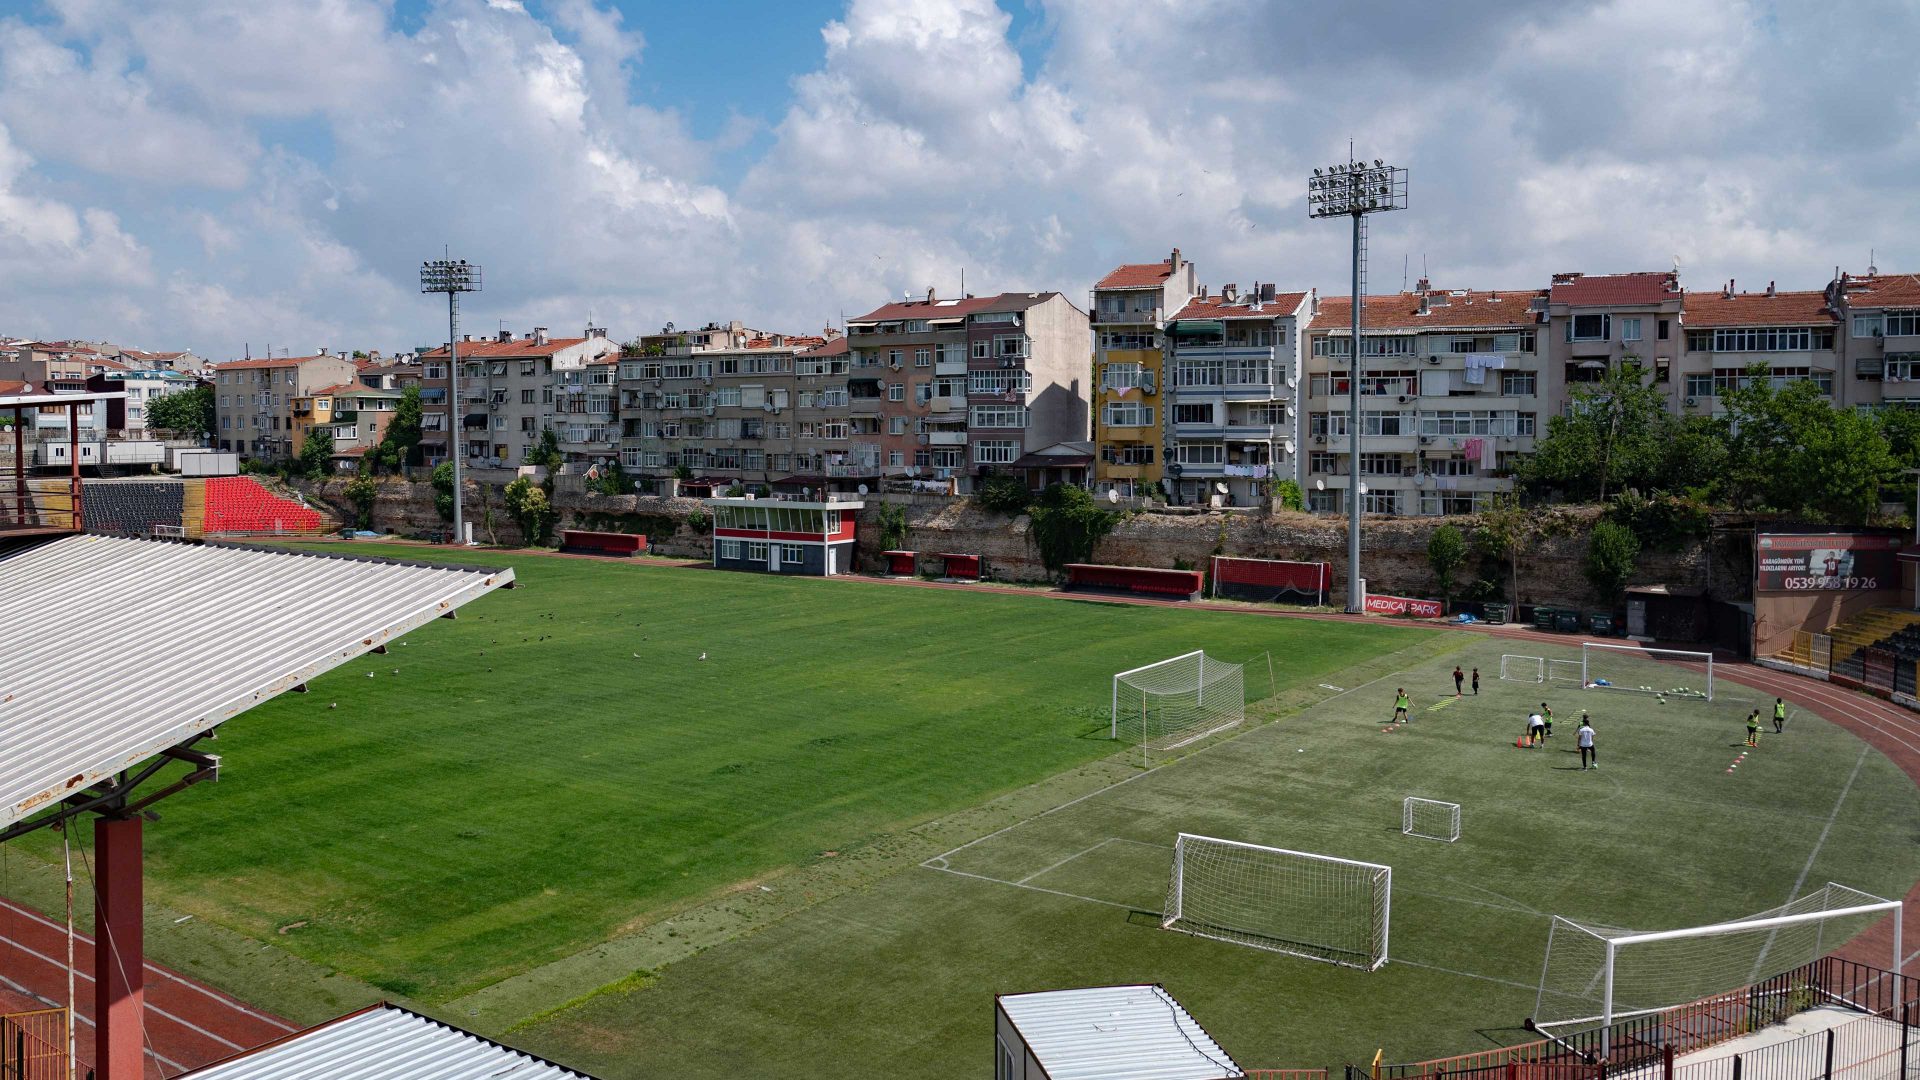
(1376, 163)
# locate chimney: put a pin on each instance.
(929, 294)
(1727, 293)
(1770, 289)
(504, 335)
(779, 340)
(1424, 309)
(1230, 292)
(1422, 286)
(539, 335)
(1174, 262)
(1269, 292)
(466, 337)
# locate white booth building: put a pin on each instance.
(1134, 1032)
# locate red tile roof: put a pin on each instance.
(1602, 290)
(801, 341)
(1884, 290)
(343, 388)
(10, 388)
(925, 309)
(1708, 309)
(1214, 307)
(278, 361)
(518, 348)
(1445, 310)
(836, 347)
(1136, 275)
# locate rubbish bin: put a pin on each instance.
(1543, 618)
(1567, 622)
(1602, 623)
(1494, 613)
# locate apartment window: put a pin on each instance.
(996, 451)
(922, 459)
(1901, 323)
(1320, 461)
(1662, 328)
(999, 416)
(982, 350)
(896, 457)
(1126, 414)
(757, 552)
(1629, 329)
(923, 358)
(1454, 466)
(1122, 376)
(999, 381)
(1380, 502)
(1699, 386)
(837, 430)
(526, 395)
(1517, 384)
(1262, 414)
(1207, 453)
(1380, 465)
(546, 395)
(896, 425)
(791, 555)
(526, 424)
(1323, 502)
(1193, 414)
(896, 391)
(1127, 455)
(1590, 328)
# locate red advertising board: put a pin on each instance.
(1403, 605)
(1825, 562)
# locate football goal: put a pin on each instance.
(1567, 671)
(1291, 902)
(1522, 668)
(1430, 819)
(1616, 667)
(1167, 705)
(1595, 975)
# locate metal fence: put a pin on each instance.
(33, 1045)
(1870, 1048)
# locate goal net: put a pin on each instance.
(1595, 975)
(1670, 672)
(1167, 705)
(1522, 668)
(1567, 671)
(1430, 818)
(1291, 902)
(1271, 580)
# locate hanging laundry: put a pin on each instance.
(1470, 449)
(1489, 456)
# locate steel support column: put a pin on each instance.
(119, 950)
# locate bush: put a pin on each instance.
(443, 490)
(1662, 522)
(1003, 493)
(1066, 525)
(891, 523)
(362, 490)
(1612, 553)
(1446, 550)
(528, 504)
(1287, 494)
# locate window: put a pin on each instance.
(1121, 376)
(896, 391)
(1193, 414)
(1590, 328)
(526, 395)
(996, 451)
(1902, 367)
(896, 457)
(1869, 326)
(981, 350)
(1381, 465)
(896, 425)
(1517, 384)
(1128, 339)
(1321, 461)
(1323, 502)
(792, 555)
(1629, 329)
(922, 357)
(994, 381)
(1395, 345)
(1902, 323)
(998, 416)
(729, 549)
(526, 424)
(1761, 339)
(921, 459)
(1699, 386)
(757, 552)
(1208, 453)
(1664, 325)
(1127, 455)
(1126, 414)
(1380, 502)
(725, 395)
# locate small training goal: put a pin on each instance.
(1624, 667)
(1595, 975)
(1294, 902)
(1430, 819)
(1166, 705)
(1528, 669)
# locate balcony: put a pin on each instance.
(950, 367)
(946, 438)
(1126, 318)
(1273, 391)
(1234, 431)
(1900, 389)
(864, 406)
(1223, 352)
(947, 404)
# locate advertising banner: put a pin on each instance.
(1403, 605)
(1826, 562)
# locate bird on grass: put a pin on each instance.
(369, 674)
(333, 704)
(703, 656)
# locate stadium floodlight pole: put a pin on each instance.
(453, 277)
(1355, 190)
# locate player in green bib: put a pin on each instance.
(1546, 715)
(1753, 728)
(1400, 706)
(1779, 715)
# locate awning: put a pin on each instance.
(384, 1042)
(1197, 327)
(1046, 461)
(135, 646)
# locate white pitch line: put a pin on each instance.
(1032, 888)
(1055, 866)
(1814, 854)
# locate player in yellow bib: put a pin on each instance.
(1400, 706)
(1779, 715)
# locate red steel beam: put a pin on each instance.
(119, 955)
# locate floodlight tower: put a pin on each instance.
(1355, 190)
(453, 277)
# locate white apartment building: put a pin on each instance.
(1234, 363)
(1453, 390)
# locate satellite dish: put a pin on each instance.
(1113, 496)
(1319, 485)
(1219, 487)
(1420, 480)
(1363, 489)
(636, 485)
(863, 489)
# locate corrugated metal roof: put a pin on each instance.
(118, 648)
(385, 1042)
(1116, 1033)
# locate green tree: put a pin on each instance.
(1287, 494)
(1065, 524)
(315, 459)
(529, 505)
(362, 490)
(1791, 451)
(682, 473)
(188, 413)
(400, 446)
(1615, 434)
(613, 480)
(892, 527)
(443, 490)
(1003, 493)
(547, 452)
(1612, 553)
(1506, 532)
(1446, 550)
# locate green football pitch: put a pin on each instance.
(870, 808)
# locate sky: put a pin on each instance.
(234, 175)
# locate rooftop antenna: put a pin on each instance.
(1406, 259)
(963, 281)
(1872, 270)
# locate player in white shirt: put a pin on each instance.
(1589, 756)
(1536, 730)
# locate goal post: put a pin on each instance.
(1270, 580)
(1596, 975)
(1166, 705)
(1527, 669)
(1567, 671)
(1604, 665)
(1315, 906)
(1430, 819)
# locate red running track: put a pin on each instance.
(188, 1024)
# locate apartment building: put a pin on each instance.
(1599, 321)
(586, 411)
(57, 367)
(507, 392)
(253, 400)
(142, 386)
(958, 387)
(1795, 334)
(1877, 317)
(725, 408)
(1131, 305)
(1454, 387)
(1234, 362)
(354, 414)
